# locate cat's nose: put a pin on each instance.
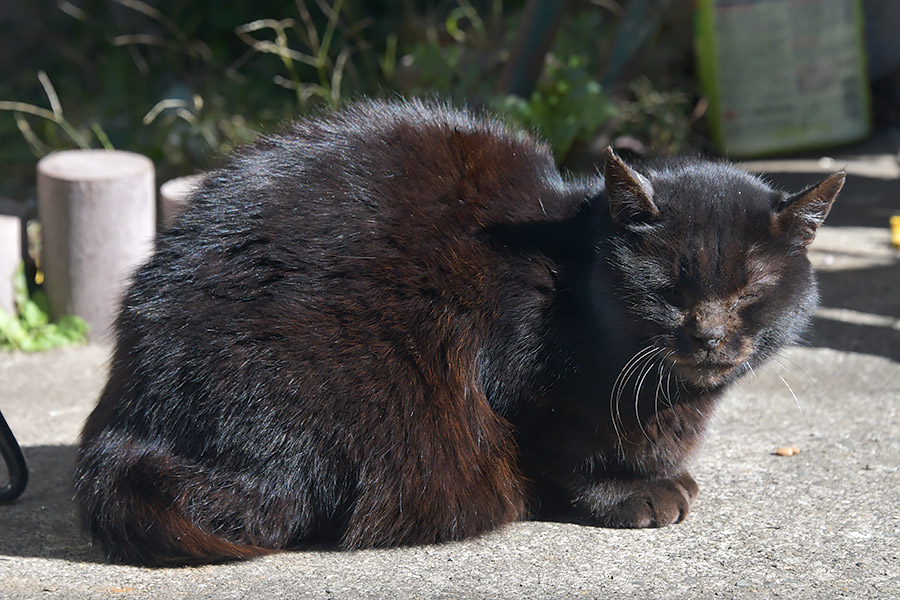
(708, 340)
(707, 328)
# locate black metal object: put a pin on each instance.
(15, 464)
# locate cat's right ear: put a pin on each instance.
(800, 215)
(630, 194)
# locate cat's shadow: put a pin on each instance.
(43, 521)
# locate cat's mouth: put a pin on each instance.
(707, 374)
(710, 368)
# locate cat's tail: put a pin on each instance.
(133, 498)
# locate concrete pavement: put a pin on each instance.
(824, 523)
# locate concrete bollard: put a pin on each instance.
(13, 248)
(98, 219)
(173, 197)
(10, 257)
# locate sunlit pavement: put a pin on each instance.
(823, 523)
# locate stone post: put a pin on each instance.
(10, 257)
(14, 217)
(173, 197)
(98, 219)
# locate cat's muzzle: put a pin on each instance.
(710, 362)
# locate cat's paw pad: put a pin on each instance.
(655, 503)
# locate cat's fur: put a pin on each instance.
(400, 324)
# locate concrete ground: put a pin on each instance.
(824, 523)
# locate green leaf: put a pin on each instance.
(11, 331)
(32, 315)
(49, 337)
(31, 330)
(75, 329)
(39, 297)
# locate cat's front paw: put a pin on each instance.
(641, 503)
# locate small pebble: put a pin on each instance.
(787, 451)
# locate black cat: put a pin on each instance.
(400, 324)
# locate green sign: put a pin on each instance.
(783, 75)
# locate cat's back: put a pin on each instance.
(344, 239)
(400, 163)
(366, 187)
(377, 190)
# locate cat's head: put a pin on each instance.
(713, 261)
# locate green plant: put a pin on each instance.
(188, 84)
(567, 105)
(456, 57)
(661, 119)
(31, 330)
(54, 115)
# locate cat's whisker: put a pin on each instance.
(752, 372)
(787, 385)
(616, 394)
(667, 394)
(816, 385)
(669, 382)
(637, 369)
(626, 372)
(618, 389)
(659, 390)
(645, 371)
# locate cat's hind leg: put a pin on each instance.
(136, 500)
(447, 474)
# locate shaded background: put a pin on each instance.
(184, 81)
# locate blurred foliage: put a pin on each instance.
(30, 330)
(183, 82)
(568, 104)
(662, 118)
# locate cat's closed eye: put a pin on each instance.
(674, 297)
(743, 300)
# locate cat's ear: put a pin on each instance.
(629, 193)
(800, 215)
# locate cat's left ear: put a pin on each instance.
(801, 214)
(630, 194)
